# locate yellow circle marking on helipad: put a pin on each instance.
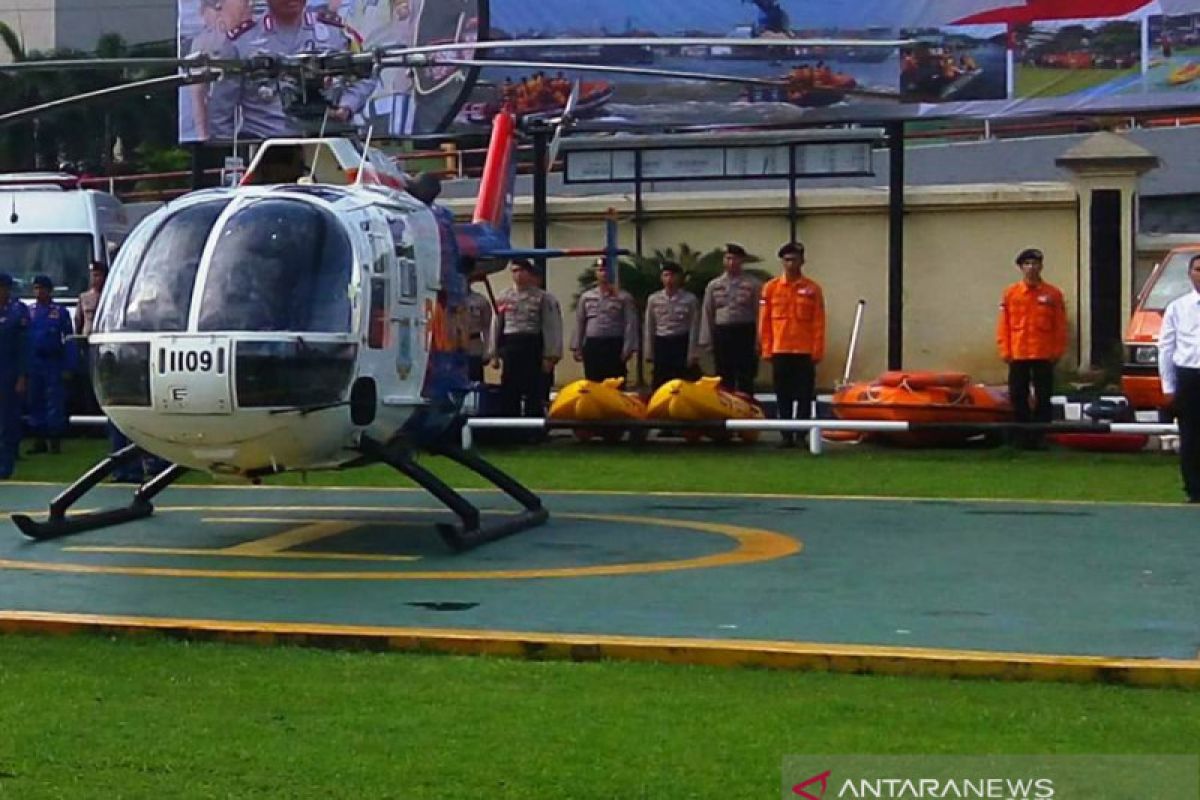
(753, 545)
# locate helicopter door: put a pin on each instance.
(408, 315)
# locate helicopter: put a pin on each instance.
(309, 318)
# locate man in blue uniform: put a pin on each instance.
(14, 325)
(51, 362)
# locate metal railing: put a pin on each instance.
(815, 443)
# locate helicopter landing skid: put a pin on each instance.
(469, 532)
(58, 524)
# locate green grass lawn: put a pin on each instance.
(88, 717)
(1048, 82)
(843, 470)
(92, 718)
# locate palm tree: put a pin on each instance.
(639, 275)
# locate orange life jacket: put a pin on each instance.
(791, 318)
(1032, 323)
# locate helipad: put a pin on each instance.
(984, 588)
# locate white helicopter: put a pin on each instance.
(306, 319)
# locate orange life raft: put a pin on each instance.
(927, 397)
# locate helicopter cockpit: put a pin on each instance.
(273, 264)
(259, 298)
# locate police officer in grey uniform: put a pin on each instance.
(479, 329)
(672, 329)
(286, 29)
(527, 340)
(606, 328)
(219, 17)
(729, 322)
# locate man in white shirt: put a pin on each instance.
(1179, 368)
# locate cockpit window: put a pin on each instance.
(152, 286)
(279, 265)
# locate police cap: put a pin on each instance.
(1029, 254)
(671, 266)
(735, 249)
(6, 279)
(791, 249)
(43, 280)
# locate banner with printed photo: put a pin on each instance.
(965, 51)
(989, 58)
(396, 102)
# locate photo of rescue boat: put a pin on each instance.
(927, 397)
(541, 99)
(703, 400)
(1184, 74)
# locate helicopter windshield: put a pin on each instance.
(151, 288)
(279, 265)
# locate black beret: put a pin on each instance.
(735, 249)
(791, 249)
(1029, 254)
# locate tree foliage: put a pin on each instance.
(83, 134)
(640, 275)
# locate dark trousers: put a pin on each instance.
(10, 423)
(47, 399)
(795, 377)
(602, 358)
(475, 369)
(522, 382)
(734, 351)
(1023, 375)
(671, 360)
(1187, 411)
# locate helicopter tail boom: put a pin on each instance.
(494, 205)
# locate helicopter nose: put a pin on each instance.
(192, 375)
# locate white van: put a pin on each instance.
(50, 226)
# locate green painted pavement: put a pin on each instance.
(1088, 579)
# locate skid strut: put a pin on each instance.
(59, 524)
(469, 532)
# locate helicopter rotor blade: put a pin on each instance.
(635, 41)
(149, 85)
(608, 68)
(59, 65)
(563, 123)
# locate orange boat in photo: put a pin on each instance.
(1184, 74)
(927, 397)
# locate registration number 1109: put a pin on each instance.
(191, 360)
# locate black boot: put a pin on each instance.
(39, 446)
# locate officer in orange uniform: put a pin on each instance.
(1031, 335)
(791, 334)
